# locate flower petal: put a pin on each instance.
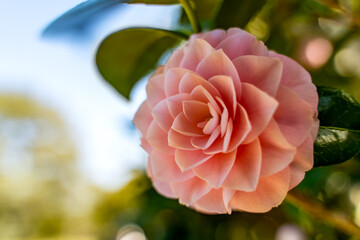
(211, 125)
(225, 86)
(218, 63)
(271, 191)
(245, 172)
(211, 203)
(192, 80)
(184, 126)
(262, 72)
(155, 89)
(277, 153)
(298, 79)
(187, 159)
(305, 154)
(158, 139)
(172, 80)
(297, 174)
(201, 94)
(228, 193)
(163, 188)
(164, 168)
(294, 116)
(174, 59)
(260, 108)
(191, 190)
(241, 128)
(215, 170)
(175, 103)
(162, 115)
(195, 52)
(206, 141)
(224, 117)
(242, 43)
(214, 37)
(196, 111)
(233, 31)
(143, 117)
(180, 141)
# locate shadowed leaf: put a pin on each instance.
(237, 13)
(334, 146)
(124, 57)
(339, 135)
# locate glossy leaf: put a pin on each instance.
(339, 135)
(338, 109)
(126, 56)
(77, 18)
(335, 145)
(237, 13)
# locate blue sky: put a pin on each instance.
(62, 74)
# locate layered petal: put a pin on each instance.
(263, 72)
(175, 59)
(294, 116)
(218, 63)
(189, 159)
(192, 80)
(225, 86)
(259, 107)
(245, 172)
(295, 77)
(172, 80)
(195, 53)
(215, 170)
(186, 127)
(214, 37)
(155, 89)
(242, 43)
(175, 103)
(191, 190)
(179, 141)
(158, 139)
(162, 116)
(164, 168)
(164, 188)
(211, 203)
(270, 192)
(277, 153)
(143, 117)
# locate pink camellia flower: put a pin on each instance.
(227, 124)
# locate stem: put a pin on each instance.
(315, 208)
(191, 15)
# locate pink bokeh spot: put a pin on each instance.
(227, 124)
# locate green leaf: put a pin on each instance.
(339, 135)
(206, 10)
(335, 145)
(78, 17)
(237, 13)
(338, 109)
(124, 57)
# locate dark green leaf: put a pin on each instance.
(81, 15)
(237, 13)
(206, 9)
(338, 109)
(339, 136)
(126, 56)
(335, 145)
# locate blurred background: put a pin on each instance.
(70, 164)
